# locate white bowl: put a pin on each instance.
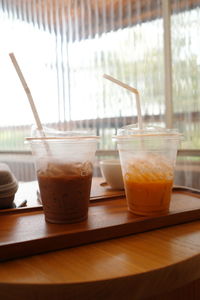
(112, 173)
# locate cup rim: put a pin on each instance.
(148, 131)
(173, 136)
(61, 138)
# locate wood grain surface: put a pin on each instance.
(158, 264)
(24, 231)
(134, 267)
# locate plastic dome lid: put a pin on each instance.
(133, 130)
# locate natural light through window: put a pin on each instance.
(64, 71)
(87, 61)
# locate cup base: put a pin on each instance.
(149, 213)
(56, 221)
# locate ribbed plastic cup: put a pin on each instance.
(148, 160)
(64, 166)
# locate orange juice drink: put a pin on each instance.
(148, 186)
(148, 158)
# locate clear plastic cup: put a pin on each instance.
(64, 166)
(148, 160)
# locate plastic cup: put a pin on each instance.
(148, 160)
(64, 167)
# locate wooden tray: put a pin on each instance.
(24, 231)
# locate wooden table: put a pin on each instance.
(159, 264)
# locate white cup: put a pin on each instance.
(112, 173)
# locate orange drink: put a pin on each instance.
(148, 186)
(148, 157)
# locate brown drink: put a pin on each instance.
(65, 192)
(64, 165)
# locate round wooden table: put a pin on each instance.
(160, 262)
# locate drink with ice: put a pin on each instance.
(148, 184)
(65, 191)
(64, 165)
(148, 159)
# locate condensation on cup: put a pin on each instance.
(64, 167)
(148, 158)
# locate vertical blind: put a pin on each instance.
(65, 47)
(185, 32)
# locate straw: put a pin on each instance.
(30, 98)
(28, 93)
(133, 90)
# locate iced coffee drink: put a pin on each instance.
(64, 165)
(65, 191)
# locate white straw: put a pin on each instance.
(30, 98)
(28, 93)
(133, 90)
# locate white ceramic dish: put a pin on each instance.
(112, 173)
